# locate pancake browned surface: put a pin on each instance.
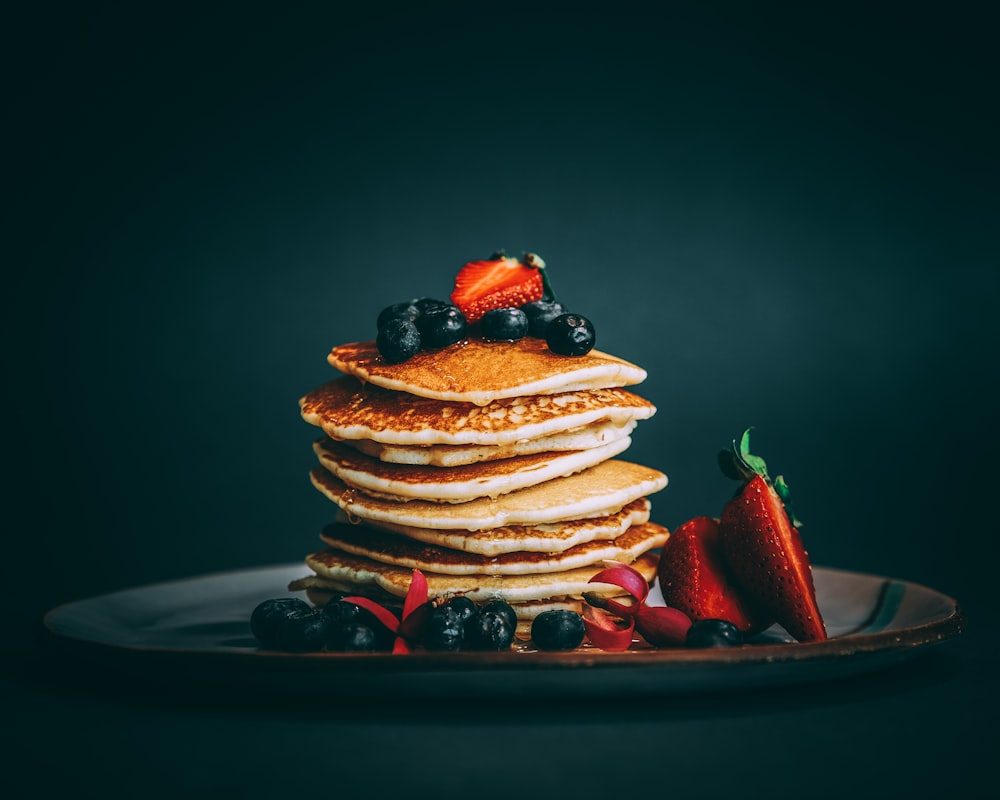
(406, 482)
(479, 371)
(360, 574)
(600, 490)
(548, 538)
(400, 551)
(347, 409)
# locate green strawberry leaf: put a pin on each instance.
(785, 494)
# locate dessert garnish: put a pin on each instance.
(558, 629)
(749, 566)
(497, 282)
(496, 299)
(658, 625)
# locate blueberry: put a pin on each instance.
(288, 623)
(713, 633)
(540, 314)
(353, 637)
(503, 607)
(427, 303)
(407, 310)
(570, 335)
(397, 340)
(348, 616)
(465, 607)
(443, 629)
(560, 629)
(490, 629)
(504, 323)
(441, 326)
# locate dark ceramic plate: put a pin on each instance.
(200, 628)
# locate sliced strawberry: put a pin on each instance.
(499, 282)
(693, 578)
(761, 545)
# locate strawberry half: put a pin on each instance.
(760, 544)
(694, 579)
(498, 282)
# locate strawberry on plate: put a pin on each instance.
(760, 544)
(694, 579)
(497, 282)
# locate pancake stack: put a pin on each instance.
(492, 467)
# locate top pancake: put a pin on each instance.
(479, 371)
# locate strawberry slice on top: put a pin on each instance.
(497, 282)
(760, 543)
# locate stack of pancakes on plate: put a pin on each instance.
(492, 467)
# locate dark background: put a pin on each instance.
(786, 215)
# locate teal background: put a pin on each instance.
(785, 212)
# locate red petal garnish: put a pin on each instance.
(416, 595)
(605, 632)
(383, 614)
(627, 578)
(662, 625)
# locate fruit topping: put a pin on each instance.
(398, 340)
(570, 335)
(540, 313)
(760, 543)
(497, 282)
(559, 629)
(288, 623)
(713, 633)
(694, 578)
(441, 326)
(504, 323)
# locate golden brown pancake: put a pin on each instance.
(602, 489)
(404, 482)
(549, 538)
(347, 409)
(399, 551)
(448, 455)
(361, 575)
(479, 371)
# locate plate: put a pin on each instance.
(200, 628)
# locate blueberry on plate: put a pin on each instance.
(490, 629)
(288, 623)
(559, 629)
(353, 637)
(398, 340)
(713, 633)
(500, 606)
(540, 313)
(570, 335)
(502, 324)
(441, 326)
(443, 629)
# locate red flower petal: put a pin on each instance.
(605, 632)
(416, 595)
(662, 625)
(383, 614)
(625, 577)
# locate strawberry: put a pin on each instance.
(498, 282)
(693, 578)
(760, 543)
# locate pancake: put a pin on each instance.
(361, 575)
(603, 489)
(456, 455)
(399, 551)
(516, 538)
(348, 410)
(479, 371)
(406, 482)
